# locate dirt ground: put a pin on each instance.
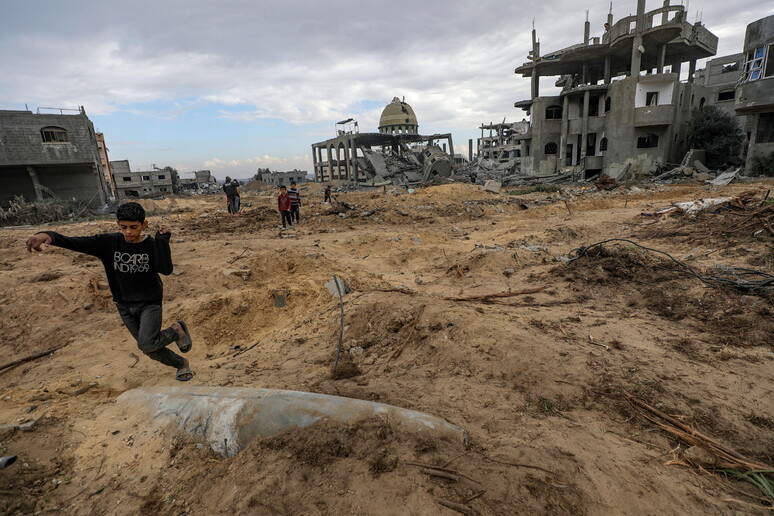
(537, 378)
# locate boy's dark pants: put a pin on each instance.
(144, 323)
(294, 209)
(287, 220)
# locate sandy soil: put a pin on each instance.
(536, 379)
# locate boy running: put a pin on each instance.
(283, 204)
(295, 202)
(132, 264)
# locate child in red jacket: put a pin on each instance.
(283, 203)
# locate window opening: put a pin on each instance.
(594, 106)
(146, 178)
(651, 98)
(54, 135)
(726, 95)
(553, 112)
(127, 178)
(550, 148)
(765, 133)
(591, 144)
(603, 145)
(607, 104)
(769, 70)
(162, 176)
(648, 141)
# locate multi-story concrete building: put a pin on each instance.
(140, 184)
(50, 156)
(755, 93)
(621, 95)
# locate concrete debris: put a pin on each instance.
(27, 425)
(409, 167)
(695, 207)
(701, 167)
(724, 178)
(492, 186)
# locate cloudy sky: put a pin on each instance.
(235, 85)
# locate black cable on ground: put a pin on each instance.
(747, 280)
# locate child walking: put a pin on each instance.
(133, 262)
(295, 202)
(283, 204)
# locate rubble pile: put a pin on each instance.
(20, 212)
(431, 165)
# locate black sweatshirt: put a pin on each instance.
(132, 269)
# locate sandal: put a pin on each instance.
(185, 347)
(184, 374)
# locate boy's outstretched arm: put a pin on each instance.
(163, 253)
(92, 245)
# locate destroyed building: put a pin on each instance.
(140, 184)
(501, 143)
(105, 161)
(397, 154)
(621, 101)
(50, 156)
(203, 181)
(755, 92)
(282, 178)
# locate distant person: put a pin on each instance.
(473, 177)
(237, 198)
(327, 193)
(283, 204)
(231, 192)
(295, 202)
(133, 262)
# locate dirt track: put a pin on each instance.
(537, 379)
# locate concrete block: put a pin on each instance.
(492, 186)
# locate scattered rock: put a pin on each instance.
(750, 300)
(416, 240)
(508, 272)
(244, 273)
(418, 280)
(331, 286)
(355, 351)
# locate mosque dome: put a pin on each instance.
(398, 118)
